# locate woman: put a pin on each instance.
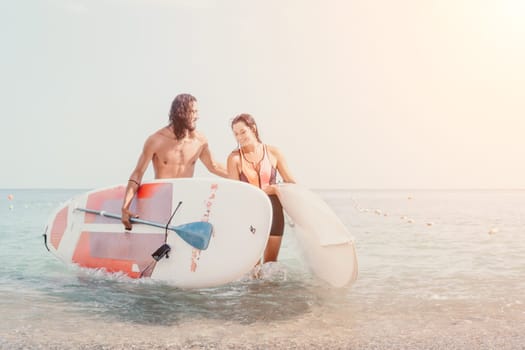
(258, 164)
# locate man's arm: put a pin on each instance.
(134, 182)
(210, 164)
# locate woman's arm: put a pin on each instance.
(282, 166)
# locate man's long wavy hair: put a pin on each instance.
(180, 114)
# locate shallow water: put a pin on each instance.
(437, 269)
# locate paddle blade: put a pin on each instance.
(197, 234)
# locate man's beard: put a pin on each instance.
(191, 127)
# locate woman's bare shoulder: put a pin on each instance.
(235, 155)
(274, 151)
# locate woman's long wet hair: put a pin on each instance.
(249, 121)
(180, 114)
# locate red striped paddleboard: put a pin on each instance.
(217, 233)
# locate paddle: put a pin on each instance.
(197, 234)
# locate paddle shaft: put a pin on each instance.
(197, 234)
(134, 220)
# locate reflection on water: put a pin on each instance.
(151, 302)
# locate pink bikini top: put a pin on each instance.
(258, 174)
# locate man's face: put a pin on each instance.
(193, 116)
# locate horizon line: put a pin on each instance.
(318, 188)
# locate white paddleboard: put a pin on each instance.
(326, 244)
(240, 216)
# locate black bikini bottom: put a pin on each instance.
(278, 217)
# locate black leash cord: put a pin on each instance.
(165, 237)
(169, 221)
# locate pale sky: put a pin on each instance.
(356, 93)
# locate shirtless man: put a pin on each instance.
(174, 150)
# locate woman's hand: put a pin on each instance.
(270, 189)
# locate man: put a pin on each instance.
(174, 150)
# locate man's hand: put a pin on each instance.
(126, 219)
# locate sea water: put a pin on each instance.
(437, 269)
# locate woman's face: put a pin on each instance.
(244, 134)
